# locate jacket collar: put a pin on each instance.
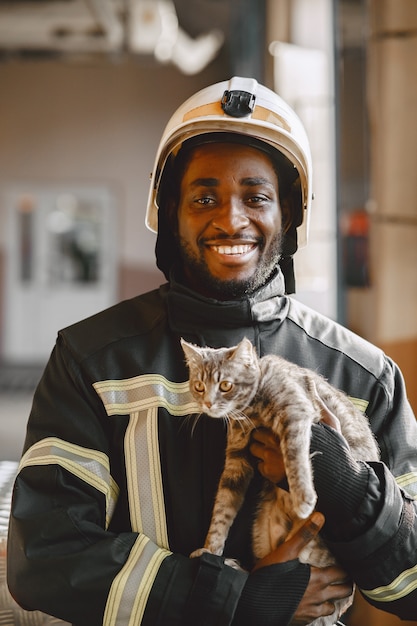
(189, 312)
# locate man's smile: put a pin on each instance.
(232, 250)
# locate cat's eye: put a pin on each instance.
(199, 386)
(225, 385)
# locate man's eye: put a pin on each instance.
(205, 200)
(257, 200)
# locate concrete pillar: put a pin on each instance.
(303, 76)
(392, 92)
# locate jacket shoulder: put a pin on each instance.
(123, 321)
(329, 335)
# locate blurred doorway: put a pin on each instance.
(60, 264)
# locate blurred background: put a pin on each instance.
(86, 88)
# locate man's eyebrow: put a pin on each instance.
(253, 181)
(249, 181)
(205, 182)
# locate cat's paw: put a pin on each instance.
(198, 553)
(304, 508)
(234, 563)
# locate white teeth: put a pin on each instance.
(232, 249)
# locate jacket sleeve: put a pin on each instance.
(381, 550)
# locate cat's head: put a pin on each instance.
(223, 381)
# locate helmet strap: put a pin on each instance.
(286, 264)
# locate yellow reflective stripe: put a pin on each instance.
(264, 114)
(89, 465)
(400, 587)
(212, 108)
(259, 113)
(144, 477)
(140, 397)
(131, 587)
(408, 482)
(122, 397)
(360, 404)
(156, 481)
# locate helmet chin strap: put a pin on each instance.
(286, 264)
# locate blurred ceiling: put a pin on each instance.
(186, 34)
(189, 34)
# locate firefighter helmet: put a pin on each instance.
(240, 107)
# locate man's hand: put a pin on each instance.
(266, 449)
(325, 585)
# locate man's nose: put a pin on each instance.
(231, 216)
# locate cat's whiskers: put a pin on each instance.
(243, 420)
(197, 417)
(192, 417)
(227, 419)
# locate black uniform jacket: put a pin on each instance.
(117, 481)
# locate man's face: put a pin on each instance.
(229, 220)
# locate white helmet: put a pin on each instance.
(239, 106)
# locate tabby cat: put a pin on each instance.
(236, 385)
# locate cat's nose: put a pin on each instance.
(208, 404)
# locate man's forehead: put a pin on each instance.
(246, 181)
(210, 164)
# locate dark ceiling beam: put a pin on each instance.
(247, 38)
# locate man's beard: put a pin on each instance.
(235, 288)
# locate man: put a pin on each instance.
(116, 485)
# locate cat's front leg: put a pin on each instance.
(233, 485)
(295, 446)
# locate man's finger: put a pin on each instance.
(308, 531)
(291, 548)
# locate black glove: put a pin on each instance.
(349, 492)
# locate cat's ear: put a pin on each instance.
(191, 351)
(246, 351)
